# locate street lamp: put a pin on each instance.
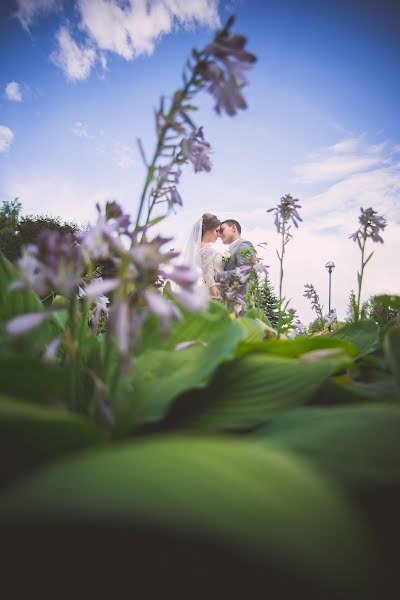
(330, 265)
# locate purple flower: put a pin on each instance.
(25, 323)
(54, 264)
(225, 63)
(105, 237)
(371, 225)
(197, 150)
(164, 309)
(285, 211)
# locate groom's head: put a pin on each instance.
(229, 231)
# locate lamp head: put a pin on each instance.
(330, 265)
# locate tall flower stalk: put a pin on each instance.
(371, 224)
(285, 213)
(220, 69)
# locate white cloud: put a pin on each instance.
(29, 10)
(347, 145)
(132, 28)
(13, 91)
(333, 167)
(81, 130)
(6, 138)
(339, 204)
(75, 61)
(123, 155)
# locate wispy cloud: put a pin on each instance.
(30, 10)
(75, 61)
(13, 92)
(6, 138)
(81, 130)
(346, 157)
(123, 155)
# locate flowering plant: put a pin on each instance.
(226, 255)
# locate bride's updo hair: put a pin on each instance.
(210, 222)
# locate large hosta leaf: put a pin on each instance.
(391, 346)
(203, 327)
(250, 391)
(32, 380)
(264, 504)
(160, 376)
(296, 347)
(360, 444)
(31, 436)
(363, 334)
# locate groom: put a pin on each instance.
(239, 249)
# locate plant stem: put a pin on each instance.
(178, 98)
(360, 278)
(281, 280)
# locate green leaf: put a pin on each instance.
(389, 300)
(296, 347)
(363, 334)
(264, 505)
(32, 380)
(14, 302)
(248, 392)
(391, 347)
(32, 435)
(159, 376)
(203, 327)
(254, 331)
(359, 444)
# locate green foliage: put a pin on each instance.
(269, 302)
(236, 494)
(43, 434)
(357, 444)
(17, 231)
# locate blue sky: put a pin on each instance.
(322, 121)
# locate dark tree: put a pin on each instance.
(269, 302)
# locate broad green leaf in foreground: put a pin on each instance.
(360, 444)
(160, 376)
(31, 436)
(391, 346)
(266, 504)
(296, 347)
(248, 392)
(203, 327)
(32, 380)
(364, 334)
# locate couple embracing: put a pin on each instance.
(209, 263)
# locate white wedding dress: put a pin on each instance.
(203, 259)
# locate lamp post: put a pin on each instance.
(330, 265)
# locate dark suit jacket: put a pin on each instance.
(237, 260)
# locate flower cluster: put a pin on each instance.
(57, 264)
(224, 65)
(370, 225)
(286, 211)
(238, 288)
(220, 68)
(311, 294)
(54, 264)
(331, 317)
(197, 150)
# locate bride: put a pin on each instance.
(201, 256)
